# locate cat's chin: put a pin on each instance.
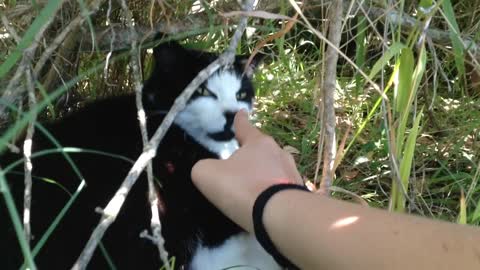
(225, 135)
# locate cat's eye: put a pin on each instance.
(203, 91)
(241, 95)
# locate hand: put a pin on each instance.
(234, 184)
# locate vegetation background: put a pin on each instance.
(406, 126)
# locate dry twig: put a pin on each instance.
(156, 226)
(27, 148)
(328, 90)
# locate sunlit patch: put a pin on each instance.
(344, 222)
(228, 150)
(450, 104)
(197, 7)
(4, 35)
(27, 147)
(26, 216)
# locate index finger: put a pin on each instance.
(243, 129)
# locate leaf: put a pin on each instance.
(407, 159)
(361, 52)
(426, 3)
(394, 50)
(405, 111)
(426, 6)
(476, 213)
(457, 43)
(403, 82)
(462, 216)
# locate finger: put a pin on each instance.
(202, 170)
(297, 178)
(243, 129)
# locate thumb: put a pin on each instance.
(243, 129)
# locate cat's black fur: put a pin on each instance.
(111, 126)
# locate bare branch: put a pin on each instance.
(156, 225)
(27, 149)
(11, 31)
(328, 99)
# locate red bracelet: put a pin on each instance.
(259, 228)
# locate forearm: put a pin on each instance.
(317, 232)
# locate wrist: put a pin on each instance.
(259, 225)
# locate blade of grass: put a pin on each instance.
(476, 213)
(405, 110)
(407, 160)
(360, 53)
(457, 43)
(394, 50)
(462, 215)
(17, 224)
(45, 14)
(403, 82)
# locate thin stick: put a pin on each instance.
(27, 150)
(155, 223)
(113, 207)
(328, 88)
(10, 29)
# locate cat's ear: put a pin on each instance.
(168, 55)
(248, 64)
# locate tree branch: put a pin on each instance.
(328, 90)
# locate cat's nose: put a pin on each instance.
(229, 116)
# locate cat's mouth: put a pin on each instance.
(225, 135)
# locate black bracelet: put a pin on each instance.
(259, 227)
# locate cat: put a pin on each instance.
(197, 234)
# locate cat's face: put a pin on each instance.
(208, 116)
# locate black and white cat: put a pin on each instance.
(196, 233)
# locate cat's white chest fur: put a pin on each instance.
(241, 251)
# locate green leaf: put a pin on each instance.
(426, 3)
(425, 6)
(405, 111)
(407, 159)
(17, 224)
(476, 213)
(394, 50)
(462, 216)
(361, 52)
(403, 81)
(457, 43)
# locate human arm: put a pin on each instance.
(317, 232)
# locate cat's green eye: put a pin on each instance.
(203, 91)
(241, 95)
